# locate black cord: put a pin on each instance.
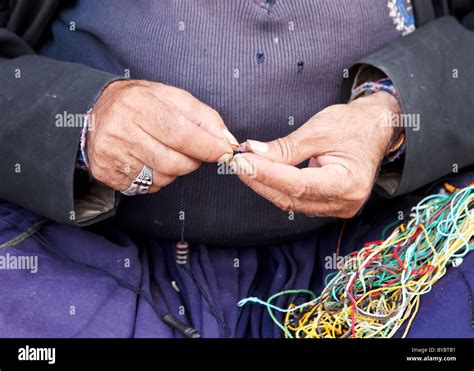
(204, 296)
(168, 318)
(469, 294)
(189, 272)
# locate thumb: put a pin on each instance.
(292, 149)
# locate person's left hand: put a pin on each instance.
(345, 144)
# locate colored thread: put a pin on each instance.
(378, 290)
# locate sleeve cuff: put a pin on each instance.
(437, 114)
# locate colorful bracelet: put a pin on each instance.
(371, 87)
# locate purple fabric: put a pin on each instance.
(66, 300)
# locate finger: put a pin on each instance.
(279, 199)
(185, 137)
(119, 180)
(210, 120)
(284, 178)
(199, 113)
(288, 203)
(293, 149)
(117, 168)
(162, 158)
(313, 183)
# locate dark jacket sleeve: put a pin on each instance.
(433, 71)
(37, 155)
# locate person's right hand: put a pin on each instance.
(137, 123)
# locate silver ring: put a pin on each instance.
(142, 183)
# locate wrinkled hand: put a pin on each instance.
(345, 144)
(137, 123)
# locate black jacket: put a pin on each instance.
(37, 161)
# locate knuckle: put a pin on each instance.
(155, 163)
(208, 154)
(158, 157)
(261, 175)
(286, 147)
(284, 203)
(98, 173)
(188, 167)
(132, 137)
(177, 166)
(299, 189)
(131, 95)
(358, 193)
(348, 213)
(172, 94)
(214, 116)
(160, 180)
(160, 87)
(154, 189)
(99, 148)
(129, 169)
(179, 136)
(312, 211)
(118, 179)
(354, 196)
(175, 92)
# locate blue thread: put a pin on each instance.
(266, 304)
(408, 17)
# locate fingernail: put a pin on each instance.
(243, 164)
(230, 138)
(225, 158)
(256, 146)
(242, 147)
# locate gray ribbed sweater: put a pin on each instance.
(265, 66)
